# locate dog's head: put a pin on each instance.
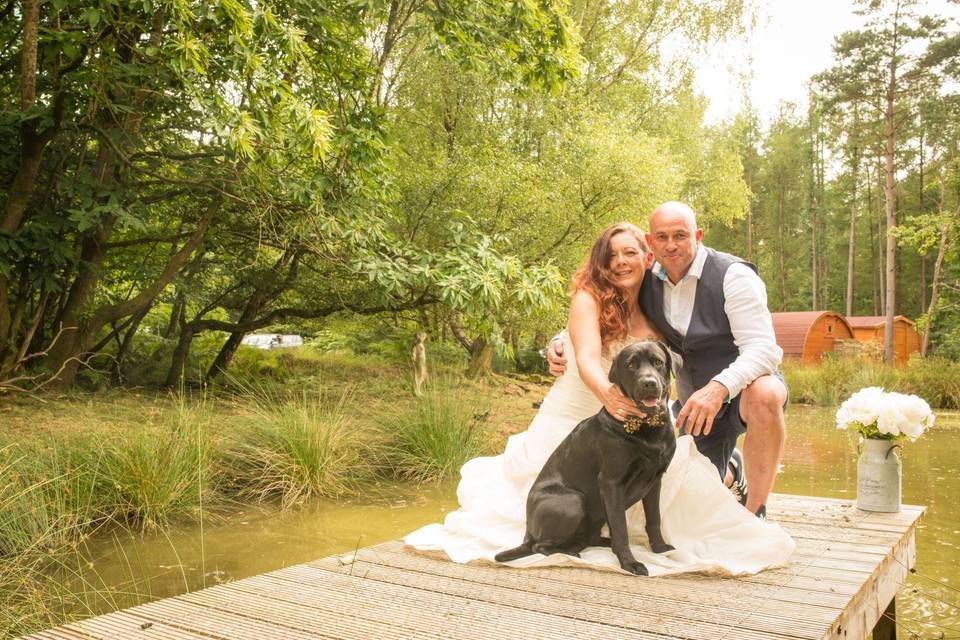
(642, 371)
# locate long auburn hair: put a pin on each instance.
(595, 277)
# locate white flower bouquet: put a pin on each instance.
(886, 415)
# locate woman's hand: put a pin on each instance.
(617, 404)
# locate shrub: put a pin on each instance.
(154, 473)
(297, 445)
(49, 493)
(432, 438)
(935, 380)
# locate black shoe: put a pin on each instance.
(762, 512)
(739, 485)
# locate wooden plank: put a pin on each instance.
(636, 609)
(838, 584)
(399, 606)
(868, 604)
(518, 605)
(121, 624)
(700, 588)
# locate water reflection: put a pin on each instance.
(819, 460)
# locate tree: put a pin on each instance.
(899, 48)
(157, 129)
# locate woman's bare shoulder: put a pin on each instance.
(582, 301)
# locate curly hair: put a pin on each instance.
(594, 277)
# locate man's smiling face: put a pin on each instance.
(674, 239)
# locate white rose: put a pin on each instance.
(889, 419)
(912, 430)
(916, 414)
(862, 407)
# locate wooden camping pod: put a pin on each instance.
(906, 340)
(807, 335)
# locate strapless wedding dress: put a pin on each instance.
(711, 531)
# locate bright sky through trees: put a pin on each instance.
(791, 42)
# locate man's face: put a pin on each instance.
(674, 240)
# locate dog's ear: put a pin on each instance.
(671, 356)
(613, 376)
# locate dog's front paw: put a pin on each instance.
(635, 567)
(662, 548)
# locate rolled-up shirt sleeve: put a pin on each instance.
(752, 329)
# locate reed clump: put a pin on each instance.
(432, 438)
(935, 380)
(294, 445)
(157, 472)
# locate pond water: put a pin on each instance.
(819, 460)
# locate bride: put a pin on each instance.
(700, 517)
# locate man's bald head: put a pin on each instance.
(674, 238)
(672, 211)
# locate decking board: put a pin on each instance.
(845, 571)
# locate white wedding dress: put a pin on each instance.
(711, 531)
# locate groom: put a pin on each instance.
(711, 307)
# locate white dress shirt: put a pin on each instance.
(746, 309)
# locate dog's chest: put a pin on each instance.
(649, 459)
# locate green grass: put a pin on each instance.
(153, 473)
(935, 380)
(297, 445)
(47, 504)
(432, 438)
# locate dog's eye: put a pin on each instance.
(658, 363)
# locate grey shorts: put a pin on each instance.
(718, 445)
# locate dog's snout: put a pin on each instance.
(649, 383)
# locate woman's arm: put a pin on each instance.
(583, 325)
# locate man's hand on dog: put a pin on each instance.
(558, 363)
(701, 408)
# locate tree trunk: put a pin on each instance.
(881, 235)
(891, 219)
(873, 244)
(780, 247)
(814, 266)
(514, 336)
(923, 283)
(117, 372)
(66, 357)
(31, 153)
(481, 359)
(176, 314)
(258, 301)
(852, 247)
(480, 350)
(175, 377)
(225, 355)
(931, 310)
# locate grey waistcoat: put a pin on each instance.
(708, 347)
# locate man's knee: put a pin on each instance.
(763, 401)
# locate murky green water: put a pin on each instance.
(819, 460)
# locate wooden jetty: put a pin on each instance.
(840, 583)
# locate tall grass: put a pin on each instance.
(935, 380)
(47, 503)
(157, 472)
(298, 445)
(432, 438)
(48, 494)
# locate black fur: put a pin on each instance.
(600, 470)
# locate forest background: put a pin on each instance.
(176, 174)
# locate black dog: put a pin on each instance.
(604, 466)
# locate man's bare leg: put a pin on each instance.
(761, 409)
